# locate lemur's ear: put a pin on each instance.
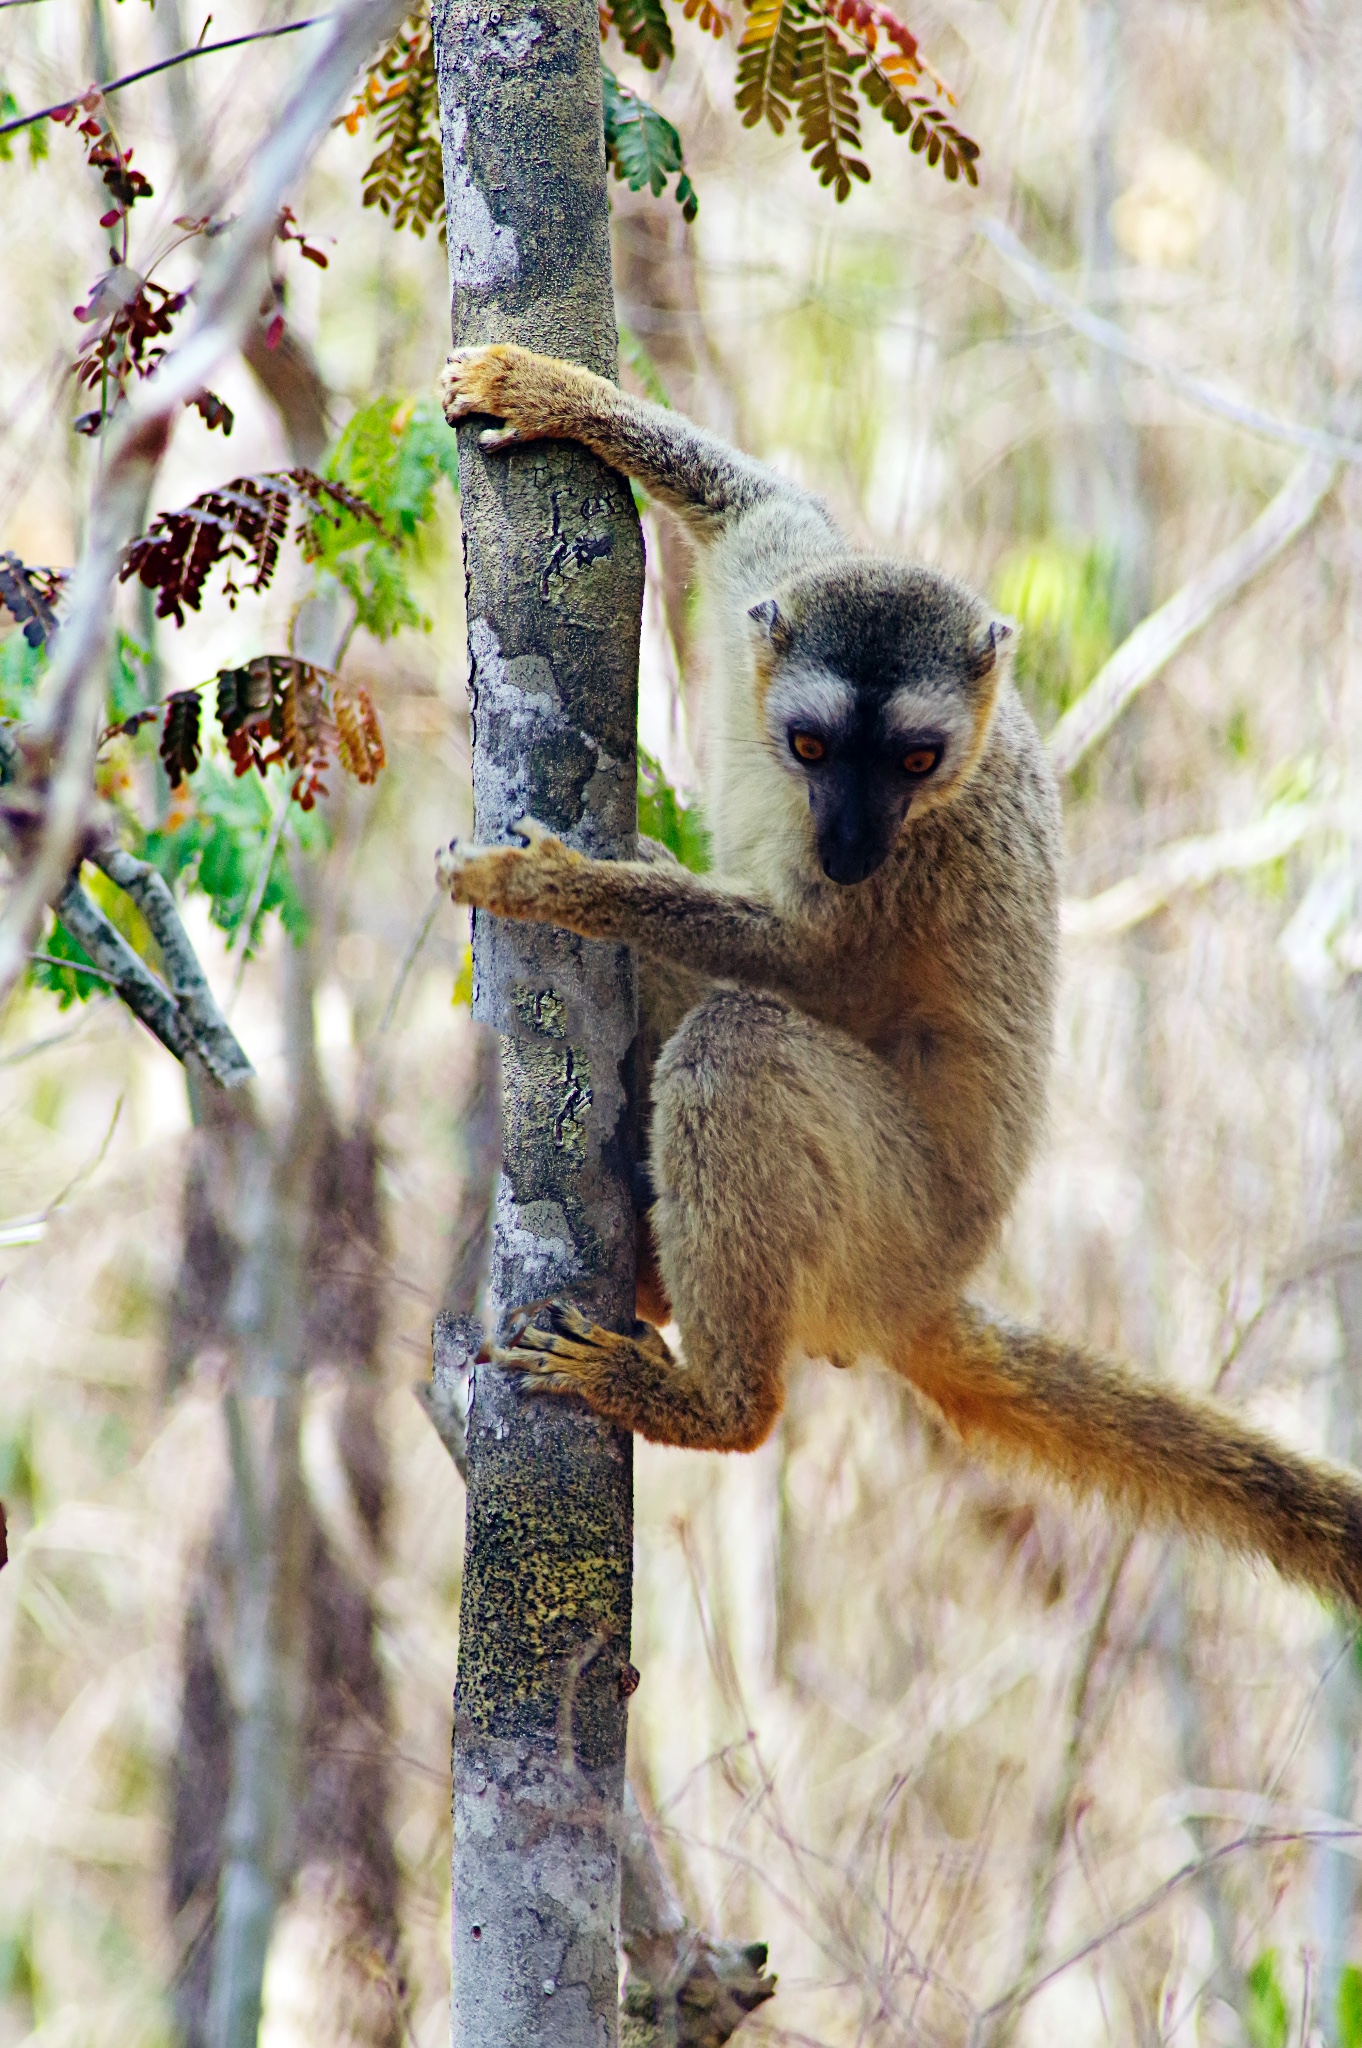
(769, 615)
(984, 645)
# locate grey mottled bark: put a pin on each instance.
(683, 1988)
(554, 568)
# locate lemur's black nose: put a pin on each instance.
(851, 857)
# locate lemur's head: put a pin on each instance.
(879, 680)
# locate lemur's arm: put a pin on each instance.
(660, 908)
(541, 399)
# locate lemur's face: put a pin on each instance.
(879, 684)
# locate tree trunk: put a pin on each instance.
(554, 568)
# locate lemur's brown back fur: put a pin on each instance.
(848, 1026)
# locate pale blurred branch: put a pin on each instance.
(1149, 649)
(987, 2020)
(60, 757)
(1241, 412)
(1050, 1838)
(1191, 864)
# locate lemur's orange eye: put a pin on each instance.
(920, 760)
(808, 746)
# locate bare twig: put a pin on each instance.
(73, 966)
(21, 1230)
(1241, 412)
(34, 1046)
(1051, 1843)
(258, 35)
(233, 282)
(264, 869)
(1155, 641)
(1256, 1838)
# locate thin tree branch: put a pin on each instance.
(233, 281)
(1190, 864)
(1155, 641)
(409, 958)
(187, 1021)
(258, 35)
(457, 1340)
(1200, 390)
(117, 963)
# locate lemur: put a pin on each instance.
(848, 1023)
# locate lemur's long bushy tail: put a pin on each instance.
(1162, 1455)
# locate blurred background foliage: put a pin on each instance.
(946, 1745)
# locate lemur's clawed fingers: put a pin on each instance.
(564, 1359)
(532, 832)
(510, 881)
(500, 381)
(471, 382)
(574, 1356)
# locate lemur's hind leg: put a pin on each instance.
(790, 1217)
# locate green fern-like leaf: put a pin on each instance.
(641, 147)
(644, 30)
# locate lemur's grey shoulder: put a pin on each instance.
(775, 539)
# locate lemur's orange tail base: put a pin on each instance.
(1161, 1455)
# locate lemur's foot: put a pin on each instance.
(510, 881)
(574, 1356)
(512, 384)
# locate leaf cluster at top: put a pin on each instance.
(797, 59)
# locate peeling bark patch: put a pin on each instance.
(537, 1237)
(527, 756)
(506, 43)
(481, 253)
